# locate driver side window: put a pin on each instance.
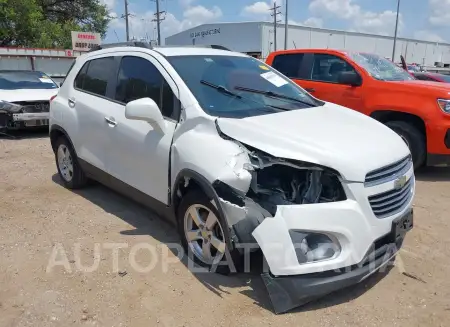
(139, 78)
(326, 68)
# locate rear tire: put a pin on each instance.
(69, 169)
(413, 138)
(204, 236)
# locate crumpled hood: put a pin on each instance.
(331, 136)
(27, 95)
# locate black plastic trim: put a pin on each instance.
(447, 139)
(58, 128)
(289, 292)
(438, 159)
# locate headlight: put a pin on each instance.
(444, 105)
(313, 247)
(9, 107)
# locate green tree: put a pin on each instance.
(48, 23)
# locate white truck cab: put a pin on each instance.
(237, 155)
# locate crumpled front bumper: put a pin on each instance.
(367, 243)
(289, 292)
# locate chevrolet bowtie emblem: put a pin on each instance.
(400, 182)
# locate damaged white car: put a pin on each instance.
(238, 156)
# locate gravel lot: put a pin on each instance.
(38, 216)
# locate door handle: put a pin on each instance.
(111, 121)
(310, 90)
(71, 102)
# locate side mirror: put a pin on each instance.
(349, 78)
(146, 109)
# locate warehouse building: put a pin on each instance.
(257, 39)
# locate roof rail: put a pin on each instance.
(219, 47)
(212, 46)
(149, 46)
(122, 44)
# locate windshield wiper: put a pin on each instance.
(224, 90)
(272, 94)
(221, 89)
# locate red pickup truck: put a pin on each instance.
(419, 111)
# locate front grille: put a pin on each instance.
(35, 106)
(391, 202)
(387, 173)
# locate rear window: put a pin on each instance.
(95, 75)
(288, 64)
(16, 80)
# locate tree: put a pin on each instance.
(48, 23)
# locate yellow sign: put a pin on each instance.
(263, 67)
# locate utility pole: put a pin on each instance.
(126, 20)
(396, 30)
(286, 25)
(158, 20)
(274, 14)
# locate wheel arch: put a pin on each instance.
(384, 116)
(187, 180)
(56, 132)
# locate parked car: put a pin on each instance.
(238, 156)
(432, 77)
(418, 111)
(25, 98)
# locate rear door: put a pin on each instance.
(90, 101)
(296, 66)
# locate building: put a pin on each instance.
(257, 39)
(53, 62)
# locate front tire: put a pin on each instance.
(69, 169)
(413, 138)
(204, 235)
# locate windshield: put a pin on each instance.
(15, 80)
(238, 87)
(380, 68)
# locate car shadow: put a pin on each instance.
(33, 133)
(145, 222)
(433, 174)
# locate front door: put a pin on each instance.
(323, 82)
(140, 155)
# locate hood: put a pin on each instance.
(331, 136)
(428, 87)
(27, 95)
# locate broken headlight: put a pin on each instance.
(282, 184)
(9, 107)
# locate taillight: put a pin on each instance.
(51, 99)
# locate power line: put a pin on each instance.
(274, 14)
(286, 24)
(158, 20)
(396, 30)
(126, 20)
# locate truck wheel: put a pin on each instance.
(413, 138)
(69, 169)
(204, 235)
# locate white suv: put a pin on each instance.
(238, 156)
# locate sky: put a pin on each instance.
(420, 19)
